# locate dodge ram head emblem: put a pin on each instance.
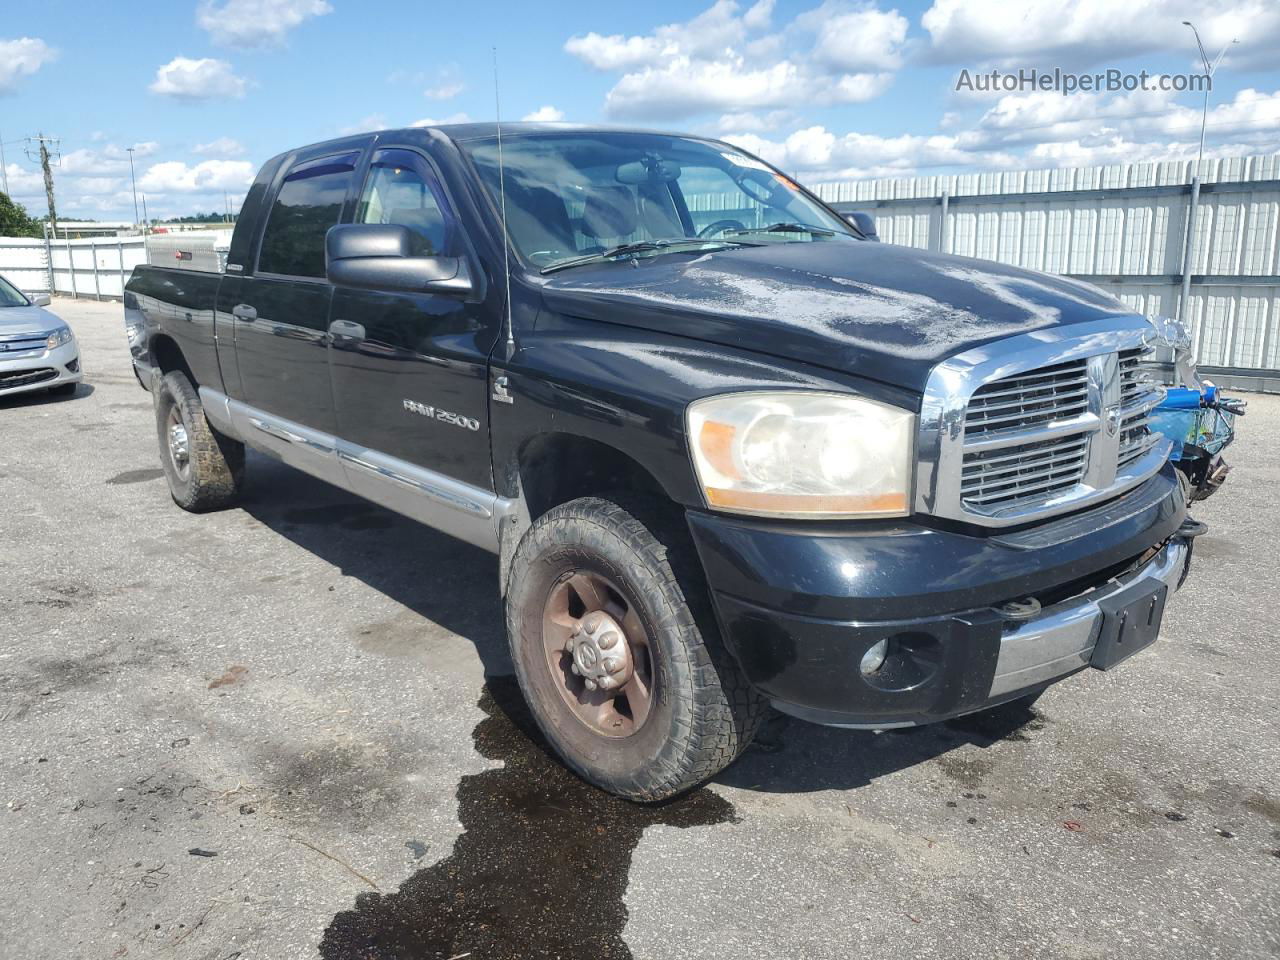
(1112, 419)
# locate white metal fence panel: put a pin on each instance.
(99, 267)
(1123, 227)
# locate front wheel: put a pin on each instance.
(633, 690)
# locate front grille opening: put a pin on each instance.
(24, 378)
(1029, 400)
(1029, 471)
(1140, 392)
(1019, 452)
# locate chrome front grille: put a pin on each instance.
(1039, 425)
(1140, 392)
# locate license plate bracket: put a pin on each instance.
(1130, 623)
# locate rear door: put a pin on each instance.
(280, 310)
(409, 369)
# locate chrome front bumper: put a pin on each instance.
(1061, 640)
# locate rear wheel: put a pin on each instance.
(204, 468)
(632, 688)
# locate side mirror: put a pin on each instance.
(864, 223)
(40, 300)
(377, 256)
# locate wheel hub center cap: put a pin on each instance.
(601, 655)
(178, 443)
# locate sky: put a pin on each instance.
(205, 90)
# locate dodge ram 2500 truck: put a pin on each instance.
(728, 452)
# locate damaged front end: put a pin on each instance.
(1194, 414)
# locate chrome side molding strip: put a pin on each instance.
(451, 506)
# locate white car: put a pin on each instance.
(38, 351)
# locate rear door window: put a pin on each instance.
(308, 204)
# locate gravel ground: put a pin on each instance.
(286, 729)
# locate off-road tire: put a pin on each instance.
(704, 713)
(215, 464)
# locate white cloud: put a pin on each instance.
(204, 79)
(175, 176)
(861, 40)
(256, 23)
(546, 114)
(21, 58)
(434, 122)
(374, 121)
(723, 60)
(684, 87)
(750, 122)
(816, 153)
(222, 147)
(444, 90)
(993, 32)
(616, 52)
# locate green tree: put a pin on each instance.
(15, 221)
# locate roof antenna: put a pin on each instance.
(502, 195)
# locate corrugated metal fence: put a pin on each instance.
(99, 267)
(1167, 238)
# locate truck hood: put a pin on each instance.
(880, 311)
(20, 320)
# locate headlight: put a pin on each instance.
(802, 454)
(58, 338)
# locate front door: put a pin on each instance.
(280, 312)
(409, 370)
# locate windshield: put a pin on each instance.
(9, 295)
(571, 195)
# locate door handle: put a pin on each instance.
(346, 330)
(242, 311)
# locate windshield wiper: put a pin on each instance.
(641, 246)
(788, 228)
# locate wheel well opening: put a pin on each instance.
(557, 468)
(167, 357)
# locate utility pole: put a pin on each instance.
(1209, 69)
(133, 180)
(45, 157)
(146, 221)
(4, 170)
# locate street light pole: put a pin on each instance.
(134, 180)
(1209, 69)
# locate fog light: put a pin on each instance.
(873, 659)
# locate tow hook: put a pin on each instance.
(1187, 533)
(1192, 528)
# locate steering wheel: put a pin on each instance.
(720, 226)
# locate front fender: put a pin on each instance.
(629, 389)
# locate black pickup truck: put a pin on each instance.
(728, 450)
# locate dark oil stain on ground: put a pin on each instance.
(540, 871)
(136, 476)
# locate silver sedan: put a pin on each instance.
(38, 351)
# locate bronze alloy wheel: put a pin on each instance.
(598, 653)
(627, 680)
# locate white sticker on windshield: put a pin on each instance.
(741, 160)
